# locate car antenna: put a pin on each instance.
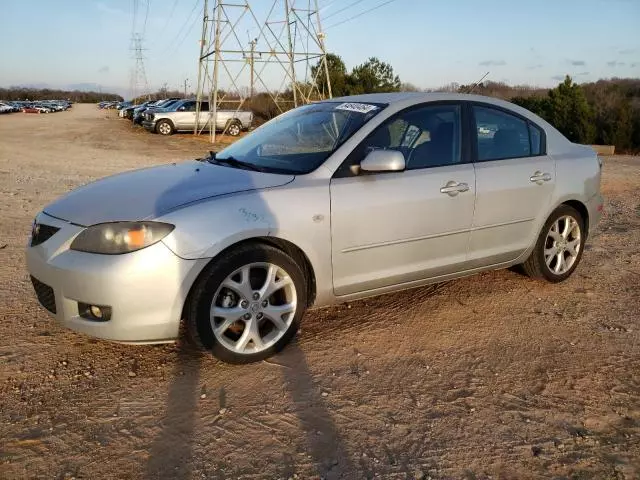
(473, 87)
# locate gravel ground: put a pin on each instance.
(493, 376)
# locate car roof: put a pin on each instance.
(391, 98)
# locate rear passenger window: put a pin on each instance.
(536, 140)
(501, 135)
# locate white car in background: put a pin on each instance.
(4, 108)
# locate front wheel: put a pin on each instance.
(164, 127)
(247, 305)
(559, 247)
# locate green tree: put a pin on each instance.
(373, 76)
(566, 108)
(538, 105)
(570, 112)
(337, 75)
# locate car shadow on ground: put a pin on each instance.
(323, 441)
(170, 455)
(171, 450)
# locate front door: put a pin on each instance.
(514, 185)
(400, 227)
(184, 116)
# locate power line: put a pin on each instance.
(172, 43)
(186, 33)
(146, 15)
(134, 16)
(360, 14)
(343, 9)
(173, 7)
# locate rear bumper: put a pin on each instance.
(146, 290)
(595, 206)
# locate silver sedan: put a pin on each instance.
(326, 203)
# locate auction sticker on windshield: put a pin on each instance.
(357, 107)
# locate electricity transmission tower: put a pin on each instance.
(139, 85)
(286, 59)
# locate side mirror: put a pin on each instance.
(383, 161)
(182, 108)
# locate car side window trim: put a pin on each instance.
(473, 131)
(465, 139)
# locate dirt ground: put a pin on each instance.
(493, 376)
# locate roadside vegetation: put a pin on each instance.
(606, 112)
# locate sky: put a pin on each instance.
(429, 43)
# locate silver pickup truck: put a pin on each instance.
(181, 117)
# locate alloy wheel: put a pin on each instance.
(164, 128)
(562, 245)
(234, 130)
(253, 308)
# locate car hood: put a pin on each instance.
(152, 192)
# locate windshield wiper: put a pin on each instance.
(234, 162)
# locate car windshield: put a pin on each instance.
(300, 140)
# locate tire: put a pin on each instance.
(238, 340)
(164, 127)
(234, 128)
(544, 262)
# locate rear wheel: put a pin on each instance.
(164, 127)
(248, 305)
(234, 128)
(559, 247)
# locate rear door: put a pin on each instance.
(204, 120)
(515, 179)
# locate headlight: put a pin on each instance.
(120, 237)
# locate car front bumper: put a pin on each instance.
(149, 125)
(146, 289)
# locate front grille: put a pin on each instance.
(45, 295)
(41, 233)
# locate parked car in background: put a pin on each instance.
(7, 108)
(329, 202)
(182, 117)
(138, 108)
(138, 114)
(42, 108)
(128, 111)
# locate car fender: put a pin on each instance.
(298, 212)
(205, 228)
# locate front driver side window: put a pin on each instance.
(427, 136)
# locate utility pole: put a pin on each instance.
(252, 51)
(186, 82)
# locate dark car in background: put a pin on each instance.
(138, 115)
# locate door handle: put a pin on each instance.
(539, 177)
(454, 188)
